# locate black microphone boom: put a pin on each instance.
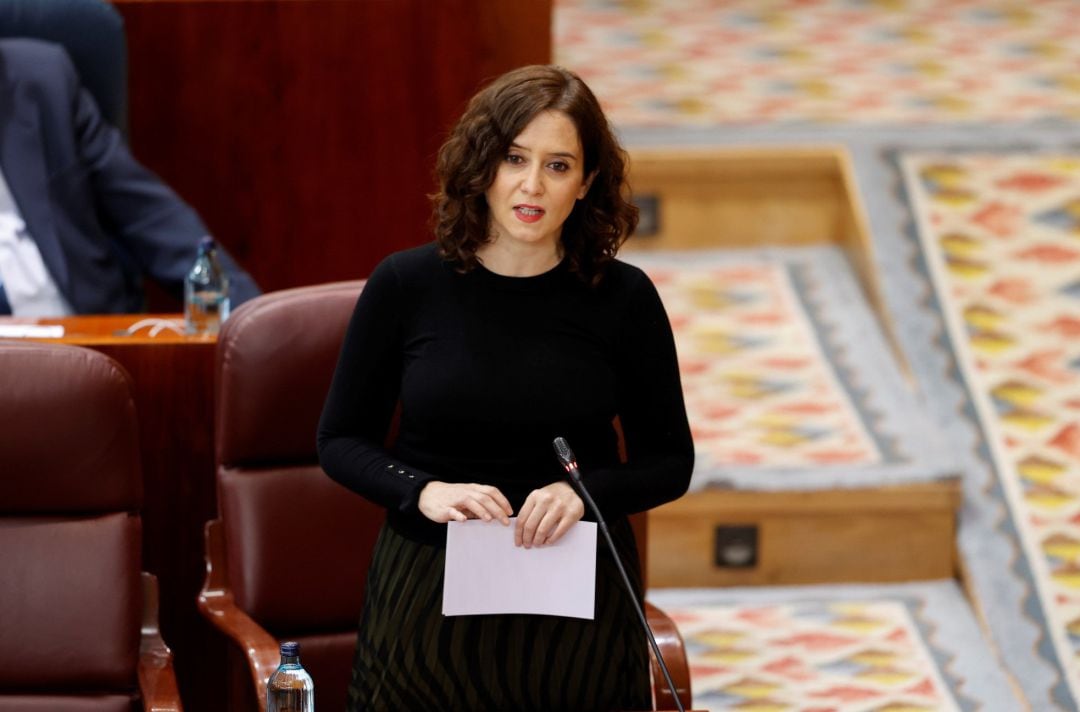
(569, 463)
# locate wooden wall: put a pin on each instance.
(304, 131)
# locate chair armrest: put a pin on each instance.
(157, 679)
(674, 651)
(216, 603)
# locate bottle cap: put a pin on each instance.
(206, 243)
(290, 649)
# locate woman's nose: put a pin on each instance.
(532, 182)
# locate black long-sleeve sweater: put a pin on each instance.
(489, 370)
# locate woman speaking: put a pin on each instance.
(517, 325)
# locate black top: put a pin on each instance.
(489, 370)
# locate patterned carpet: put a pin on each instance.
(712, 62)
(897, 648)
(1001, 236)
(788, 379)
(985, 80)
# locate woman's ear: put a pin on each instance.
(585, 186)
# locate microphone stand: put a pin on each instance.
(569, 463)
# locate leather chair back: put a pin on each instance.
(298, 545)
(92, 32)
(70, 592)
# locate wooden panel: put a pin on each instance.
(174, 395)
(873, 535)
(305, 132)
(854, 231)
(741, 197)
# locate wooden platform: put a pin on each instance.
(742, 197)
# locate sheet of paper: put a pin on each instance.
(486, 573)
(31, 331)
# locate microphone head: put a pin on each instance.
(563, 452)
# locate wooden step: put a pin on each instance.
(709, 197)
(731, 197)
(886, 534)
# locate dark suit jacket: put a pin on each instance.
(100, 219)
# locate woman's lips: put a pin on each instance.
(528, 213)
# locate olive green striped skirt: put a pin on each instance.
(410, 657)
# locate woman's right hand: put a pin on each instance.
(442, 502)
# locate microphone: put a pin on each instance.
(569, 463)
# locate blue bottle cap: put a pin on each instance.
(206, 243)
(290, 649)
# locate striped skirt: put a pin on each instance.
(410, 657)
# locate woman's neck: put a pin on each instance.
(515, 260)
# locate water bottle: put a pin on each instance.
(206, 291)
(290, 688)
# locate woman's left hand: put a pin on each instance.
(547, 514)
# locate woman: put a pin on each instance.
(515, 327)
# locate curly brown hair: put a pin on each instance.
(598, 224)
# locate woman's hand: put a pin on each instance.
(547, 514)
(442, 502)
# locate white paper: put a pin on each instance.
(31, 331)
(486, 573)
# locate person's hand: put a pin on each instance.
(547, 514)
(442, 502)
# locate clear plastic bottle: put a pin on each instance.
(206, 291)
(290, 688)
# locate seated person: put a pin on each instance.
(81, 221)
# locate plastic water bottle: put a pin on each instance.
(206, 291)
(290, 688)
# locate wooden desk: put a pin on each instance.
(173, 377)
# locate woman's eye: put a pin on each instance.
(559, 167)
(514, 159)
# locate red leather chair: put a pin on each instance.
(72, 598)
(288, 557)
